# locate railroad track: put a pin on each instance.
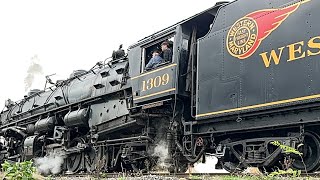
(176, 175)
(117, 175)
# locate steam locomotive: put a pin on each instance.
(244, 74)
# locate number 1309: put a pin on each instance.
(155, 82)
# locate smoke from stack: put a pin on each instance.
(34, 69)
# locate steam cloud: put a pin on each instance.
(34, 69)
(50, 164)
(207, 167)
(161, 151)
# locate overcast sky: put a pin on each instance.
(67, 35)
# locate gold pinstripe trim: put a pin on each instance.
(157, 93)
(260, 105)
(156, 70)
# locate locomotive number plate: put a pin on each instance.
(155, 82)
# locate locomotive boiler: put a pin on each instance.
(243, 74)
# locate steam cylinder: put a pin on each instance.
(44, 125)
(30, 129)
(76, 118)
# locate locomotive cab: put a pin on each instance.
(158, 82)
(170, 77)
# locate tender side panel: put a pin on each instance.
(233, 81)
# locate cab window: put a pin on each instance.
(157, 54)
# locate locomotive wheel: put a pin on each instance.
(141, 166)
(271, 168)
(91, 160)
(22, 156)
(180, 166)
(105, 160)
(96, 160)
(74, 161)
(311, 153)
(38, 154)
(232, 167)
(101, 159)
(231, 164)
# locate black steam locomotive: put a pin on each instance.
(243, 74)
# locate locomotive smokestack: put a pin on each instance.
(33, 69)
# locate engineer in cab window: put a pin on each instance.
(154, 61)
(166, 51)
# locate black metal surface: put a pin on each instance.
(113, 116)
(226, 82)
